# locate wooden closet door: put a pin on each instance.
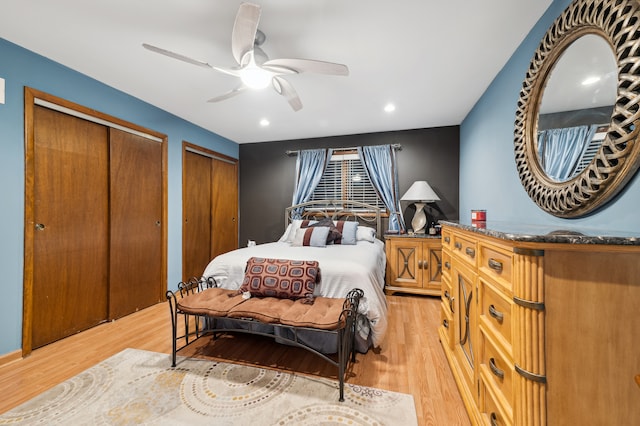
(225, 206)
(136, 218)
(197, 228)
(70, 243)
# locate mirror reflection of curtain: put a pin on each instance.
(560, 150)
(310, 166)
(382, 168)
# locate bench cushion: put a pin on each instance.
(214, 302)
(324, 314)
(264, 309)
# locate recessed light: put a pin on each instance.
(389, 107)
(264, 122)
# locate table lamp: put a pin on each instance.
(420, 193)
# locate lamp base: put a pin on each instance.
(419, 221)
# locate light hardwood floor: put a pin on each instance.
(410, 360)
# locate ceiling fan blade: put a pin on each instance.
(307, 65)
(284, 88)
(230, 71)
(175, 55)
(244, 30)
(229, 94)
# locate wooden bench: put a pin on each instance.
(203, 300)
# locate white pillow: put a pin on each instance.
(314, 237)
(295, 225)
(348, 230)
(365, 233)
(284, 237)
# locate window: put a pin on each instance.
(346, 179)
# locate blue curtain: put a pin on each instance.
(381, 166)
(560, 150)
(310, 166)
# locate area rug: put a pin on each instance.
(137, 387)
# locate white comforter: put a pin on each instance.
(342, 268)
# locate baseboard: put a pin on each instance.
(10, 357)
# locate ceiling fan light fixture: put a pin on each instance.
(255, 69)
(255, 77)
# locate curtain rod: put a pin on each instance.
(395, 146)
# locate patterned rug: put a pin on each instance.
(137, 387)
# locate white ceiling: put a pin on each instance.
(431, 58)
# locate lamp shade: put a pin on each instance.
(420, 191)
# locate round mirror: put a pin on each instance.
(577, 103)
(576, 145)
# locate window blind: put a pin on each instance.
(346, 178)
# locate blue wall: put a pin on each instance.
(20, 68)
(488, 176)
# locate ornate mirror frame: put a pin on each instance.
(618, 22)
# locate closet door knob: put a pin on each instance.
(40, 226)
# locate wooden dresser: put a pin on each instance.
(414, 264)
(542, 327)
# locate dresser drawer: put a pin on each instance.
(446, 263)
(465, 249)
(447, 239)
(447, 295)
(447, 323)
(495, 313)
(491, 412)
(497, 370)
(497, 264)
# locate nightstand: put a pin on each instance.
(414, 264)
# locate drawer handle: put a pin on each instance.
(445, 323)
(494, 419)
(499, 316)
(458, 245)
(447, 265)
(495, 370)
(447, 239)
(495, 265)
(470, 252)
(446, 294)
(451, 300)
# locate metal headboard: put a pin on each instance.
(363, 213)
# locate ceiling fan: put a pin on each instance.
(254, 68)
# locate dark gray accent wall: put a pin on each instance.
(267, 174)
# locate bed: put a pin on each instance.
(355, 260)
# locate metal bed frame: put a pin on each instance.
(363, 213)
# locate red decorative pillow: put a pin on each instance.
(281, 278)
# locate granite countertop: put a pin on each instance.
(424, 236)
(547, 233)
